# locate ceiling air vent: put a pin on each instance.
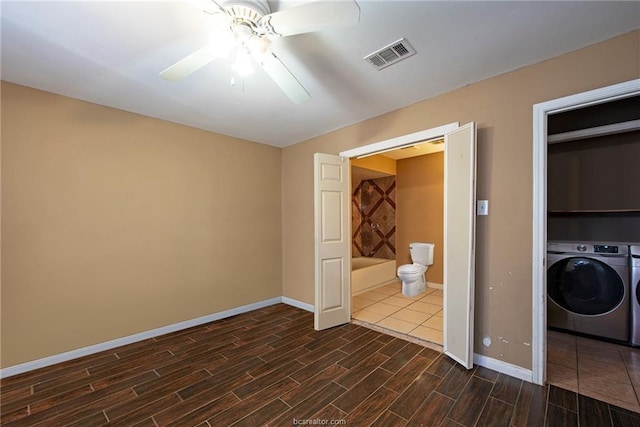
(389, 55)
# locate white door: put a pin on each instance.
(332, 187)
(459, 242)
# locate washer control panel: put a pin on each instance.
(604, 249)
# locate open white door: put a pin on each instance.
(459, 242)
(332, 305)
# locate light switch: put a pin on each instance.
(482, 207)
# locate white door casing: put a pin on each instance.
(459, 243)
(332, 190)
(332, 281)
(539, 226)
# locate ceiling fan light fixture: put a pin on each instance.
(242, 64)
(259, 46)
(221, 42)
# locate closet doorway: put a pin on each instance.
(539, 251)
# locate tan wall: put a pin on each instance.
(115, 223)
(376, 163)
(502, 107)
(420, 209)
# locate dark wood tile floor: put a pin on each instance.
(269, 367)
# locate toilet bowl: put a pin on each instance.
(413, 275)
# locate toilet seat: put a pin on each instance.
(411, 269)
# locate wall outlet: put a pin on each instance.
(482, 207)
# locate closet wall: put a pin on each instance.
(593, 184)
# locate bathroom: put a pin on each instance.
(397, 199)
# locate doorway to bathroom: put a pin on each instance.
(332, 215)
(398, 198)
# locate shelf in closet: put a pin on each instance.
(585, 212)
(593, 132)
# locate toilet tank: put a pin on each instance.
(421, 253)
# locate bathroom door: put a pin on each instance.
(332, 306)
(459, 243)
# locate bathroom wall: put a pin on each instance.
(115, 223)
(374, 218)
(377, 163)
(420, 212)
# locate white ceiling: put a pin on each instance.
(110, 53)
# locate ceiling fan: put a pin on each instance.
(244, 29)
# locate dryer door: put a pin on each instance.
(585, 286)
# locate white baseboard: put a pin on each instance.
(503, 367)
(299, 304)
(435, 285)
(85, 351)
(478, 359)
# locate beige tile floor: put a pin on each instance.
(597, 369)
(386, 307)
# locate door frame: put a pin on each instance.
(465, 151)
(539, 229)
(400, 141)
(396, 143)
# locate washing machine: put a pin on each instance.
(634, 251)
(588, 289)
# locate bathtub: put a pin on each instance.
(368, 273)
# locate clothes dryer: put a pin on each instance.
(634, 251)
(588, 288)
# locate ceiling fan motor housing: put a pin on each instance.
(249, 11)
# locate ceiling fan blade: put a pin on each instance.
(283, 78)
(312, 17)
(189, 64)
(208, 6)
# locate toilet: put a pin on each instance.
(413, 275)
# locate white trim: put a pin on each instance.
(539, 285)
(539, 260)
(85, 351)
(502, 367)
(611, 129)
(299, 304)
(478, 359)
(435, 285)
(401, 141)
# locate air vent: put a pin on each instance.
(389, 55)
